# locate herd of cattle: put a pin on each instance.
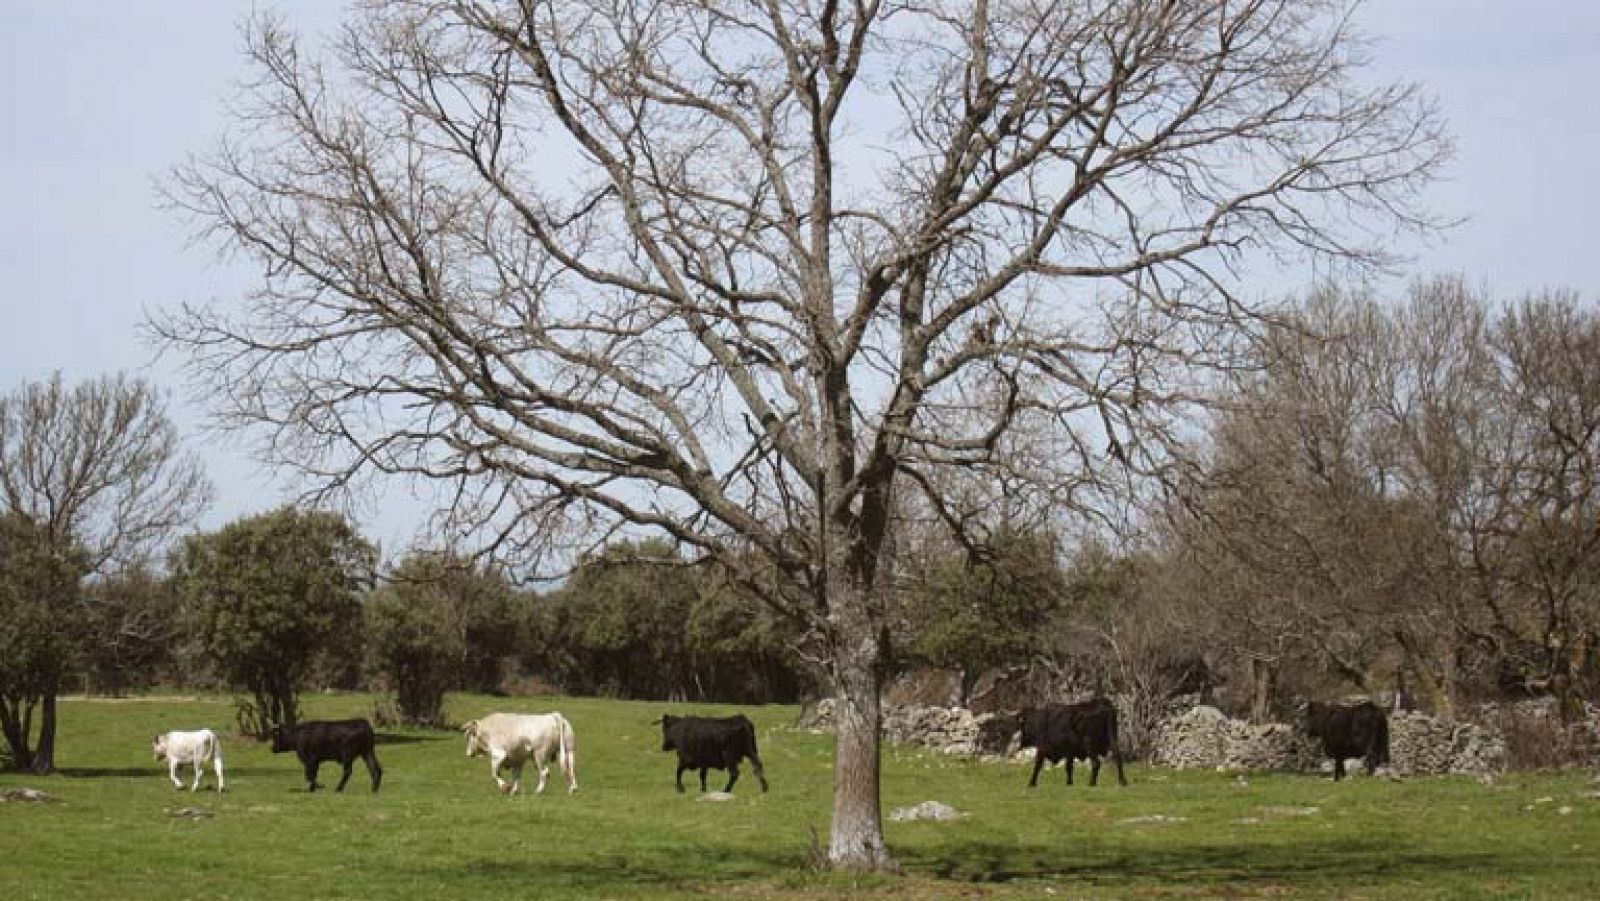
(1057, 733)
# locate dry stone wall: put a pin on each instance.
(1203, 737)
(1419, 743)
(1200, 737)
(949, 730)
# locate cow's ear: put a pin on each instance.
(470, 727)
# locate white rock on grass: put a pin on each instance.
(927, 810)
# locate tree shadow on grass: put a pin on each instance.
(1307, 865)
(1225, 868)
(606, 873)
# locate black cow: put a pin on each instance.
(1068, 731)
(1359, 730)
(341, 740)
(711, 743)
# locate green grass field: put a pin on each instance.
(439, 830)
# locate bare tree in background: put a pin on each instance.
(738, 273)
(1412, 488)
(96, 469)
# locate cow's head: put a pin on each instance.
(1029, 737)
(1310, 715)
(159, 746)
(669, 734)
(280, 739)
(474, 739)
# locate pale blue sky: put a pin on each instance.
(99, 97)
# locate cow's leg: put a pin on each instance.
(733, 776)
(311, 774)
(1069, 769)
(544, 774)
(702, 779)
(1371, 762)
(755, 764)
(681, 767)
(1116, 755)
(199, 771)
(1094, 770)
(516, 777)
(1038, 764)
(373, 769)
(349, 764)
(496, 759)
(1338, 767)
(172, 773)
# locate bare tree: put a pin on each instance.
(1414, 485)
(738, 273)
(98, 470)
(1538, 556)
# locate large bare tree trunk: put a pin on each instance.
(856, 842)
(44, 756)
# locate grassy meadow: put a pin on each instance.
(439, 830)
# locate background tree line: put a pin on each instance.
(1395, 498)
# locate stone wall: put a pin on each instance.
(1419, 743)
(1200, 737)
(949, 730)
(1203, 737)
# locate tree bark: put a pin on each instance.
(856, 841)
(13, 724)
(1263, 673)
(44, 755)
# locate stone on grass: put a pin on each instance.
(927, 810)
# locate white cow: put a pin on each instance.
(194, 748)
(512, 739)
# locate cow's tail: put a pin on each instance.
(1383, 741)
(568, 753)
(751, 752)
(216, 760)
